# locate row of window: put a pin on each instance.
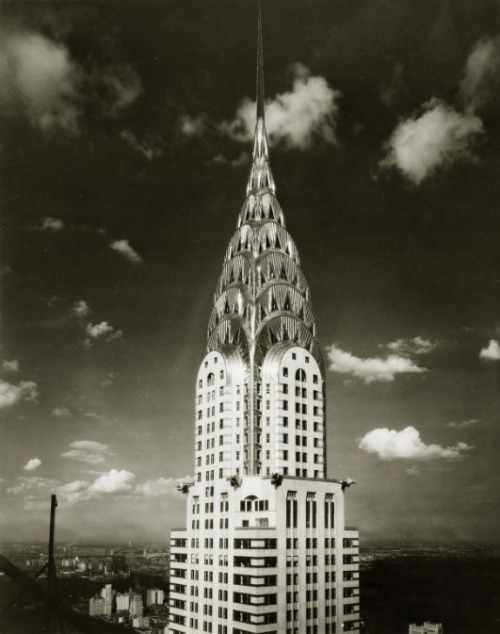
(210, 411)
(211, 377)
(253, 504)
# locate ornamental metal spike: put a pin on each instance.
(261, 177)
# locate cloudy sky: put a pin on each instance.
(126, 133)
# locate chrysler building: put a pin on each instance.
(265, 549)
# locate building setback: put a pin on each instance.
(265, 548)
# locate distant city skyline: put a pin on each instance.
(126, 150)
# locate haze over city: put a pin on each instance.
(127, 133)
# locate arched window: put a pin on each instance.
(211, 379)
(300, 375)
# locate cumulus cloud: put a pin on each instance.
(242, 159)
(123, 247)
(31, 486)
(413, 471)
(35, 489)
(40, 79)
(417, 345)
(88, 451)
(390, 444)
(80, 308)
(11, 394)
(151, 147)
(32, 464)
(441, 135)
(491, 352)
(193, 126)
(372, 369)
(61, 412)
(102, 330)
(482, 73)
(38, 76)
(464, 423)
(52, 224)
(437, 138)
(159, 487)
(10, 366)
(113, 482)
(296, 118)
(117, 87)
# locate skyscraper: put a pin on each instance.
(265, 548)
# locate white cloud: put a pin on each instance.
(464, 423)
(32, 464)
(491, 352)
(73, 492)
(52, 224)
(296, 118)
(10, 366)
(437, 138)
(193, 126)
(38, 76)
(93, 415)
(31, 486)
(371, 369)
(417, 345)
(482, 73)
(117, 87)
(35, 489)
(113, 482)
(413, 471)
(60, 412)
(390, 444)
(80, 308)
(123, 247)
(242, 159)
(88, 451)
(101, 330)
(150, 147)
(160, 487)
(11, 394)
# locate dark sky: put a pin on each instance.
(126, 133)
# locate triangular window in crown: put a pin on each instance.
(283, 275)
(226, 307)
(274, 305)
(277, 243)
(286, 304)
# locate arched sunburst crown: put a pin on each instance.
(262, 297)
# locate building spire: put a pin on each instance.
(260, 174)
(260, 67)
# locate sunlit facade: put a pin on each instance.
(265, 548)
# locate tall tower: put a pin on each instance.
(265, 548)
